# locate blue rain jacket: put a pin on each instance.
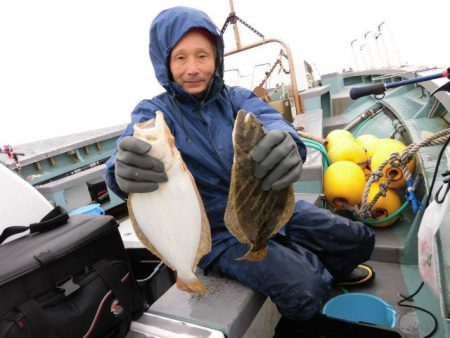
(202, 129)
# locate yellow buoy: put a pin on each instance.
(385, 149)
(347, 150)
(338, 135)
(368, 142)
(372, 147)
(384, 206)
(344, 182)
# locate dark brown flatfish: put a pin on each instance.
(253, 215)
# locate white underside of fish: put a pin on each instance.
(171, 221)
(177, 242)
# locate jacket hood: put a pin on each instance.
(167, 29)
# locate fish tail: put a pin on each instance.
(192, 285)
(255, 255)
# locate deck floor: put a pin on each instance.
(389, 284)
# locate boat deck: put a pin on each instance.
(396, 250)
(251, 315)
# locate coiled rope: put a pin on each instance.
(400, 161)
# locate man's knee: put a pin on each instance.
(293, 277)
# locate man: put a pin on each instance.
(315, 248)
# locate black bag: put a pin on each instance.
(69, 277)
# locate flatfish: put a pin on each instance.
(253, 215)
(171, 222)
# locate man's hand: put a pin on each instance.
(135, 170)
(278, 162)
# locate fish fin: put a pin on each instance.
(257, 255)
(193, 286)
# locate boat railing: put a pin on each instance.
(299, 108)
(233, 19)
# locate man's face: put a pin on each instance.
(192, 62)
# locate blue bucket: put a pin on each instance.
(361, 307)
(91, 209)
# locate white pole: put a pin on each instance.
(369, 52)
(354, 55)
(363, 53)
(378, 41)
(383, 40)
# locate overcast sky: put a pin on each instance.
(72, 66)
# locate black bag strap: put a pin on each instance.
(38, 321)
(54, 219)
(12, 230)
(113, 281)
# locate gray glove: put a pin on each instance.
(135, 170)
(278, 162)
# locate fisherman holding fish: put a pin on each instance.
(315, 248)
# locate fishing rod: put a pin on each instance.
(380, 88)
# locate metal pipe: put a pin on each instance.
(386, 53)
(354, 54)
(297, 98)
(235, 27)
(312, 137)
(368, 49)
(254, 69)
(364, 116)
(234, 70)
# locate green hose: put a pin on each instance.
(358, 127)
(388, 218)
(318, 146)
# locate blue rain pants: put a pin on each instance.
(314, 247)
